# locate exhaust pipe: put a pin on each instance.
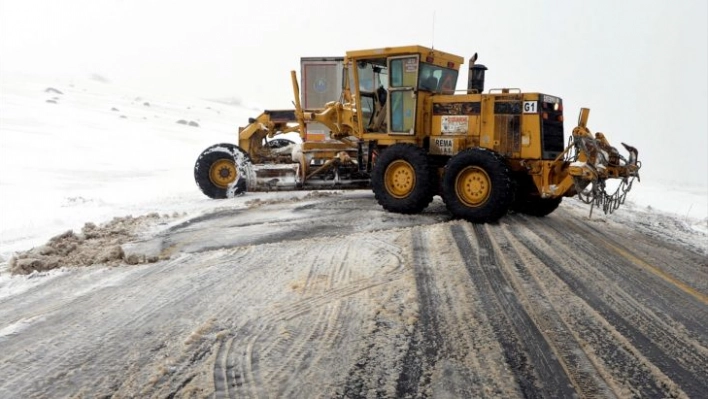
(475, 81)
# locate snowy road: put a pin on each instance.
(329, 296)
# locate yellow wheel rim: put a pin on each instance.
(399, 179)
(473, 186)
(223, 172)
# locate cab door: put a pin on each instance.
(403, 80)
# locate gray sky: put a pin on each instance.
(641, 66)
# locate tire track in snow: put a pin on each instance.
(76, 308)
(526, 350)
(426, 339)
(307, 356)
(519, 265)
(657, 315)
(299, 342)
(449, 349)
(372, 370)
(657, 262)
(679, 310)
(222, 368)
(600, 297)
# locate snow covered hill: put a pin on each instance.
(85, 151)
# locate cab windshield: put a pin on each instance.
(437, 79)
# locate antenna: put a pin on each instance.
(432, 44)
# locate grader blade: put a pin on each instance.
(273, 177)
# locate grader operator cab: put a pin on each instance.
(402, 128)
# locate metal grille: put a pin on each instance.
(507, 131)
(553, 140)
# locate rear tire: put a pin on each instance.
(221, 171)
(402, 179)
(477, 186)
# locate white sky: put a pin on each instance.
(641, 66)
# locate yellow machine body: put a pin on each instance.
(407, 97)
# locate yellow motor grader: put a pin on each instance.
(401, 128)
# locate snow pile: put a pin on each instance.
(94, 245)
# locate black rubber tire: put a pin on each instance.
(529, 202)
(537, 206)
(499, 193)
(423, 187)
(219, 152)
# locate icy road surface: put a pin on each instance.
(331, 297)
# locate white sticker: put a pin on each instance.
(530, 107)
(551, 99)
(411, 65)
(452, 124)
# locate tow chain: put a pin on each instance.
(594, 192)
(597, 196)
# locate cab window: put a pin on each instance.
(404, 72)
(403, 81)
(373, 79)
(437, 79)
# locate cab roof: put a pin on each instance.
(425, 53)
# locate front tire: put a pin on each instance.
(537, 206)
(220, 171)
(529, 202)
(402, 179)
(477, 186)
